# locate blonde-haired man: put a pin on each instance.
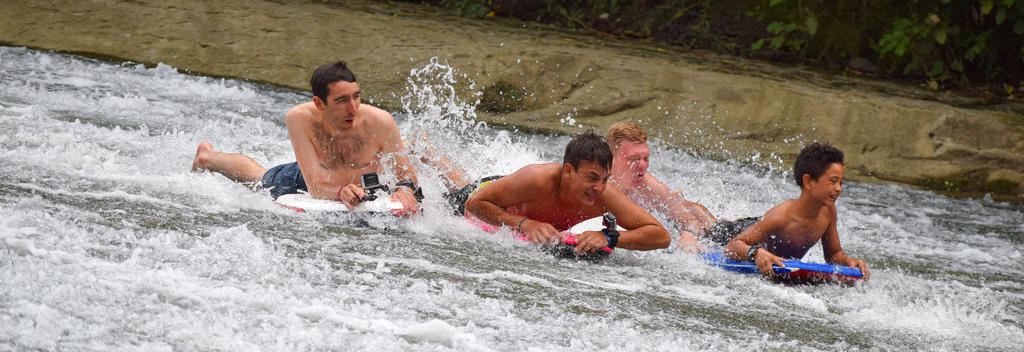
(629, 174)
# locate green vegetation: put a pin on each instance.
(945, 43)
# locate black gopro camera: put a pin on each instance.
(608, 220)
(611, 232)
(371, 184)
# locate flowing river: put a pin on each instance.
(108, 242)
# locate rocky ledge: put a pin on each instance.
(534, 78)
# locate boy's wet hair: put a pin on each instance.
(814, 159)
(588, 146)
(327, 74)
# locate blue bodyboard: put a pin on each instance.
(796, 271)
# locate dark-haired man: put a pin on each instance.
(791, 228)
(336, 139)
(542, 200)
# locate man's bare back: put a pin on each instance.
(543, 181)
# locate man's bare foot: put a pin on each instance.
(202, 155)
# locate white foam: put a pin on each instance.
(23, 247)
(799, 300)
(434, 330)
(109, 243)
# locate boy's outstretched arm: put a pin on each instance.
(834, 252)
(739, 247)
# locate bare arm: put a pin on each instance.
(834, 253)
(391, 143)
(299, 122)
(453, 175)
(693, 217)
(399, 163)
(491, 203)
(645, 232)
(739, 247)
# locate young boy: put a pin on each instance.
(790, 229)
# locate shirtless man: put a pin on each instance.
(629, 174)
(541, 200)
(336, 140)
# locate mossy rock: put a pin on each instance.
(971, 184)
(1002, 186)
(503, 97)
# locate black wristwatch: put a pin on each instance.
(416, 191)
(752, 252)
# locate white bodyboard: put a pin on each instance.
(303, 202)
(592, 224)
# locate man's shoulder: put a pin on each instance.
(306, 111)
(378, 123)
(529, 181)
(376, 115)
(540, 169)
(535, 174)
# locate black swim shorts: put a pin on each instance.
(724, 231)
(284, 179)
(457, 197)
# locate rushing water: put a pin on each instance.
(107, 242)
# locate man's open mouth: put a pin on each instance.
(639, 176)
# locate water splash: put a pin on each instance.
(435, 98)
(108, 242)
(437, 112)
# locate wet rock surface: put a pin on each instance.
(534, 78)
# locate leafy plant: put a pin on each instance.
(939, 42)
(468, 8)
(945, 42)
